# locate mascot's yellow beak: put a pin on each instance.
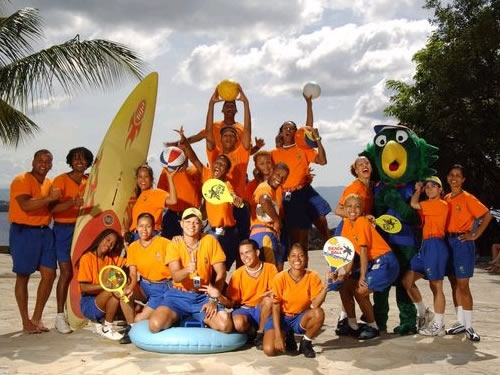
(394, 160)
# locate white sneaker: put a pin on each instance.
(472, 335)
(109, 333)
(433, 330)
(455, 329)
(424, 321)
(62, 325)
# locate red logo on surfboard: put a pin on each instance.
(134, 126)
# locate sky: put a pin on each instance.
(272, 48)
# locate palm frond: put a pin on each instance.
(14, 125)
(93, 64)
(17, 32)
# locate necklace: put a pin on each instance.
(191, 248)
(253, 272)
(288, 146)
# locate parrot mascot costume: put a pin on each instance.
(400, 158)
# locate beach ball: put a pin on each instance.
(311, 89)
(228, 90)
(172, 157)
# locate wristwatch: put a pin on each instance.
(214, 299)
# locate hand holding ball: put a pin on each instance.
(311, 89)
(228, 90)
(172, 157)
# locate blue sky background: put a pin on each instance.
(350, 47)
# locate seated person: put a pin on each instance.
(194, 260)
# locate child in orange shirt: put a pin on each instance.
(298, 294)
(378, 267)
(97, 303)
(430, 261)
(463, 210)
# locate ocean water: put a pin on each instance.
(4, 229)
(332, 219)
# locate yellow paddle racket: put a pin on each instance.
(216, 191)
(389, 223)
(113, 279)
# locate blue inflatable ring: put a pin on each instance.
(189, 340)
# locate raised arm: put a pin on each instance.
(246, 137)
(209, 124)
(414, 202)
(188, 150)
(309, 111)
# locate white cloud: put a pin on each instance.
(350, 47)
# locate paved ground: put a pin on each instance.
(83, 352)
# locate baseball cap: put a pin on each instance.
(190, 212)
(379, 128)
(434, 179)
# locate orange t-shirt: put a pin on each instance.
(357, 187)
(244, 289)
(250, 189)
(152, 201)
(297, 160)
(90, 265)
(69, 190)
(264, 189)
(187, 186)
(296, 297)
(150, 260)
(362, 233)
(435, 213)
(209, 253)
(27, 184)
(217, 126)
(463, 209)
(218, 215)
(239, 158)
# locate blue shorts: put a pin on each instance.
(242, 217)
(462, 258)
(171, 226)
(287, 323)
(432, 259)
(186, 304)
(382, 272)
(31, 247)
(303, 206)
(253, 314)
(229, 241)
(89, 308)
(270, 247)
(63, 235)
(154, 291)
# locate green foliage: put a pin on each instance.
(454, 100)
(27, 77)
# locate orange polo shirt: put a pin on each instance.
(151, 201)
(150, 260)
(27, 184)
(69, 190)
(187, 186)
(362, 233)
(297, 159)
(435, 214)
(463, 209)
(218, 215)
(365, 192)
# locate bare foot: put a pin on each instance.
(30, 328)
(40, 326)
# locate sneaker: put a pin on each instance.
(433, 330)
(290, 343)
(455, 329)
(62, 325)
(109, 333)
(126, 338)
(306, 348)
(343, 328)
(424, 321)
(368, 333)
(472, 335)
(259, 338)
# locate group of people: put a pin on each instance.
(450, 225)
(178, 249)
